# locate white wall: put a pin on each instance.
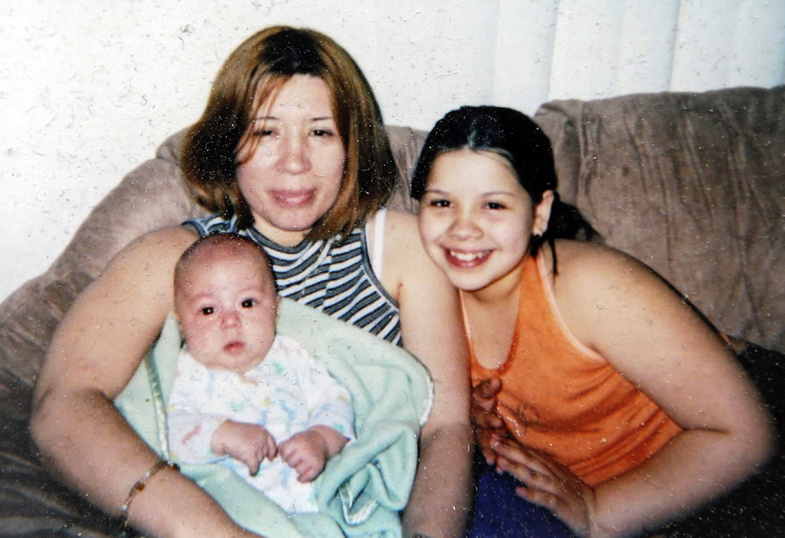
(89, 89)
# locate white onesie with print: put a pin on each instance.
(287, 393)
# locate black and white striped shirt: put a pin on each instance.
(330, 275)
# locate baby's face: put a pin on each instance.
(227, 310)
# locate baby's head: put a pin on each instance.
(225, 301)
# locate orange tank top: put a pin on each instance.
(564, 400)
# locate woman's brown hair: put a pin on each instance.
(253, 73)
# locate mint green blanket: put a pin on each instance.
(361, 490)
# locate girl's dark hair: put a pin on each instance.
(514, 136)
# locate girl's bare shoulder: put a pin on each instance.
(401, 219)
(401, 234)
(580, 261)
(593, 278)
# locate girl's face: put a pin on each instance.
(476, 220)
(293, 160)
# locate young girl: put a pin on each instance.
(596, 388)
(243, 394)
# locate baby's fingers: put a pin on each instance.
(252, 461)
(307, 471)
(271, 449)
(289, 453)
(286, 450)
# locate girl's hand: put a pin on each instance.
(547, 484)
(488, 425)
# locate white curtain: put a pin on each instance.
(581, 49)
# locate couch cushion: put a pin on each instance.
(693, 184)
(149, 197)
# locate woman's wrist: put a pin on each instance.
(140, 484)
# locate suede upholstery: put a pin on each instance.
(694, 186)
(691, 184)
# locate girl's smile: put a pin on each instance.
(466, 259)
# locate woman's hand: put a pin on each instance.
(488, 425)
(547, 484)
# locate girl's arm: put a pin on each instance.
(433, 332)
(621, 309)
(94, 354)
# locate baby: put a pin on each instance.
(241, 393)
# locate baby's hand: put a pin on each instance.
(307, 452)
(247, 443)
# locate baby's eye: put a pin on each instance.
(248, 303)
(207, 310)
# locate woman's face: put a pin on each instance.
(476, 219)
(295, 171)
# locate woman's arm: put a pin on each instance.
(94, 354)
(618, 307)
(433, 332)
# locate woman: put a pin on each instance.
(607, 399)
(291, 152)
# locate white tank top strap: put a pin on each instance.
(377, 241)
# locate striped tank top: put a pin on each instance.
(331, 275)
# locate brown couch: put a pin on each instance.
(691, 184)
